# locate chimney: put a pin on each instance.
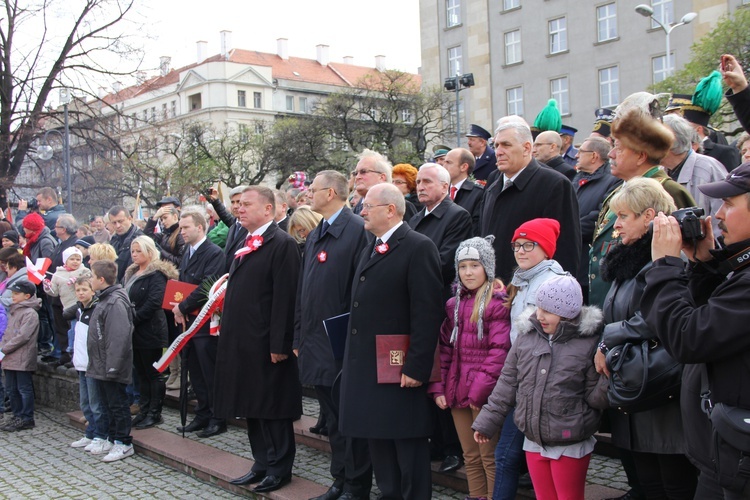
(202, 50)
(380, 63)
(164, 62)
(282, 48)
(226, 44)
(140, 77)
(348, 60)
(322, 54)
(102, 92)
(117, 86)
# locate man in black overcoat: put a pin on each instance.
(236, 234)
(396, 291)
(477, 139)
(203, 261)
(256, 371)
(464, 192)
(534, 191)
(328, 264)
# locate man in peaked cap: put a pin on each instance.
(567, 133)
(483, 153)
(438, 153)
(675, 105)
(603, 123)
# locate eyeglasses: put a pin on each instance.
(368, 207)
(312, 191)
(585, 151)
(398, 181)
(363, 171)
(527, 247)
(542, 144)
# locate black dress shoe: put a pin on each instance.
(212, 430)
(272, 483)
(630, 495)
(524, 481)
(251, 477)
(149, 421)
(332, 494)
(450, 463)
(192, 426)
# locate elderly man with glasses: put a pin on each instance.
(372, 169)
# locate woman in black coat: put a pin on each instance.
(145, 281)
(169, 240)
(653, 437)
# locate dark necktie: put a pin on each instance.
(378, 242)
(324, 228)
(508, 183)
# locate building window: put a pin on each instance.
(153, 114)
(303, 104)
(243, 132)
(513, 47)
(663, 11)
(406, 116)
(609, 86)
(558, 36)
(164, 111)
(606, 21)
(660, 68)
(241, 99)
(194, 102)
(453, 12)
(258, 125)
(257, 101)
(514, 98)
(290, 103)
(173, 109)
(454, 61)
(511, 4)
(558, 89)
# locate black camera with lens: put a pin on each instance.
(690, 222)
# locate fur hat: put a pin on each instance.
(643, 134)
(33, 222)
(479, 249)
(560, 295)
(542, 231)
(71, 251)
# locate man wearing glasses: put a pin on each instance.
(592, 185)
(546, 150)
(373, 168)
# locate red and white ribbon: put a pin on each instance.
(252, 243)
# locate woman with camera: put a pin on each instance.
(654, 436)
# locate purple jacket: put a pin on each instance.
(470, 367)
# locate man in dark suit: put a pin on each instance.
(526, 190)
(568, 151)
(477, 139)
(256, 372)
(203, 261)
(236, 234)
(463, 191)
(729, 156)
(373, 168)
(281, 218)
(396, 291)
(546, 149)
(328, 264)
(125, 233)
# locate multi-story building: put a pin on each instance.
(585, 55)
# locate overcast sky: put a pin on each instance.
(362, 29)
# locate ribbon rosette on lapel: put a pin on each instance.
(322, 256)
(382, 248)
(252, 243)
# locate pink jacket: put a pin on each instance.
(470, 367)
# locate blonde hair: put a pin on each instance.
(497, 286)
(102, 251)
(304, 217)
(640, 194)
(148, 247)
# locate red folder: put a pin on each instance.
(391, 354)
(175, 293)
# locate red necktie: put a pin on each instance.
(453, 192)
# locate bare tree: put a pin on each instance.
(47, 45)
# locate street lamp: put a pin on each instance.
(458, 83)
(45, 150)
(647, 11)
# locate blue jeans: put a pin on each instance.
(91, 406)
(20, 388)
(508, 456)
(71, 336)
(115, 405)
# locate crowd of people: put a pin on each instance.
(502, 281)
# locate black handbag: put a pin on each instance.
(642, 376)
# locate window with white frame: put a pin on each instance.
(661, 70)
(453, 12)
(514, 99)
(609, 86)
(558, 89)
(164, 111)
(173, 109)
(290, 103)
(511, 4)
(257, 100)
(241, 99)
(513, 47)
(663, 11)
(558, 35)
(303, 104)
(454, 61)
(406, 116)
(606, 22)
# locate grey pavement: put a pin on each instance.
(40, 464)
